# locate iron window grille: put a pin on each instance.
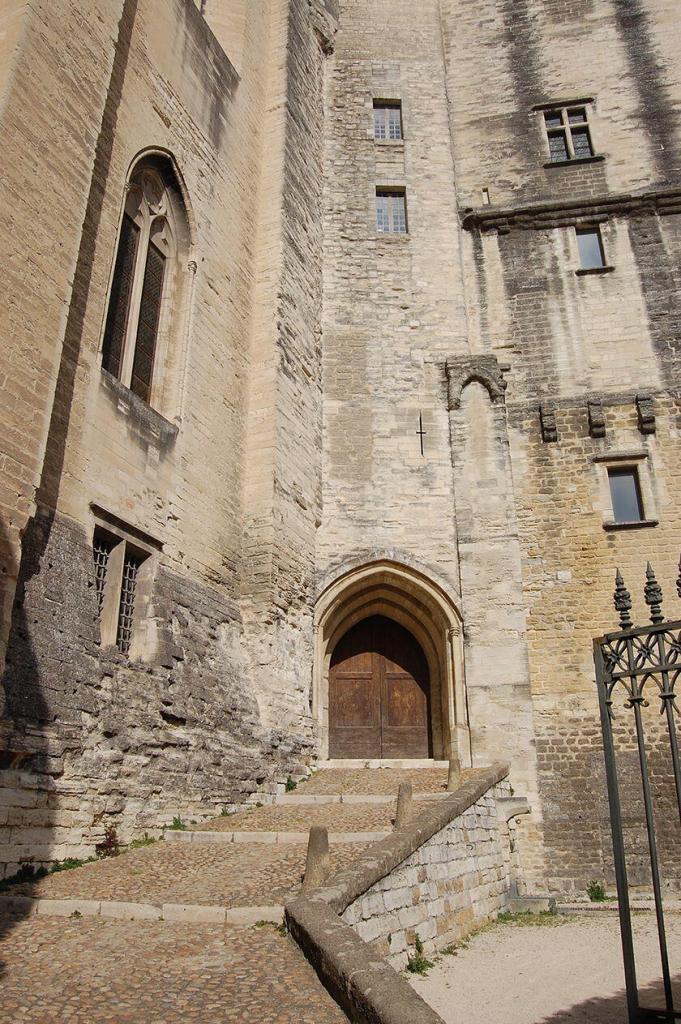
(102, 546)
(387, 121)
(391, 211)
(116, 568)
(568, 133)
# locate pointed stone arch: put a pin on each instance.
(407, 596)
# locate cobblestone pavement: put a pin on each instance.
(227, 875)
(377, 780)
(299, 818)
(108, 972)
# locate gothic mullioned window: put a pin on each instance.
(145, 279)
(568, 132)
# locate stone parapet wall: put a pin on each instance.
(442, 875)
(449, 886)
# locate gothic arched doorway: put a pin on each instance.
(379, 693)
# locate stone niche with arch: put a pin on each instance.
(420, 607)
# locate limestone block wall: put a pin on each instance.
(393, 304)
(454, 883)
(184, 725)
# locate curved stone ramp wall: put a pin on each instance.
(441, 876)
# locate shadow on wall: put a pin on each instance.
(22, 736)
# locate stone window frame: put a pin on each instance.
(390, 191)
(381, 103)
(124, 543)
(639, 462)
(156, 203)
(605, 267)
(564, 108)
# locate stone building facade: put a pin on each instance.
(416, 328)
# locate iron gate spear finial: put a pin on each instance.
(678, 580)
(652, 593)
(622, 601)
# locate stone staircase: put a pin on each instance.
(236, 872)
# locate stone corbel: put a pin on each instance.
(596, 418)
(646, 413)
(547, 420)
(486, 370)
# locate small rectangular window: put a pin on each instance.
(590, 247)
(391, 211)
(387, 121)
(625, 494)
(568, 134)
(102, 546)
(126, 610)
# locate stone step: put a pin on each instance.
(270, 838)
(123, 911)
(319, 799)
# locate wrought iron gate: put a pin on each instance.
(636, 663)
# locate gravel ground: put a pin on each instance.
(107, 972)
(293, 818)
(516, 974)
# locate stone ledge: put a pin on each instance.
(28, 906)
(270, 838)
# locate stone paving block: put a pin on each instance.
(193, 914)
(64, 908)
(130, 911)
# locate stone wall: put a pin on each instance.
(213, 702)
(451, 885)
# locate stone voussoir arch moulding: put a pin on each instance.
(429, 610)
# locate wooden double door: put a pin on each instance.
(379, 693)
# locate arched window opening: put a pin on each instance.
(147, 279)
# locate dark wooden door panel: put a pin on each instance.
(379, 693)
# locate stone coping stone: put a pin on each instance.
(270, 838)
(189, 913)
(366, 986)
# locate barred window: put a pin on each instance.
(391, 211)
(102, 546)
(387, 120)
(569, 134)
(126, 609)
(117, 564)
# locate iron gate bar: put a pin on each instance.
(630, 659)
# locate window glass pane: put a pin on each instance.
(590, 248)
(379, 122)
(553, 119)
(147, 330)
(581, 142)
(625, 493)
(399, 214)
(577, 115)
(119, 300)
(558, 147)
(395, 122)
(382, 221)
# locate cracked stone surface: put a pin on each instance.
(108, 972)
(228, 875)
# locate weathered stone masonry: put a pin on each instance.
(278, 490)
